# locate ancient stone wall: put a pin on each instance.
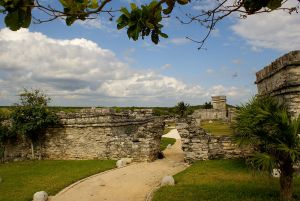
(99, 134)
(198, 145)
(282, 79)
(219, 111)
(209, 114)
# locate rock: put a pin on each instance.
(167, 181)
(120, 163)
(276, 173)
(210, 121)
(169, 146)
(40, 196)
(127, 160)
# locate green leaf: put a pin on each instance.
(149, 25)
(122, 22)
(152, 4)
(27, 19)
(163, 35)
(133, 6)
(252, 6)
(125, 12)
(182, 2)
(64, 3)
(274, 4)
(70, 20)
(93, 4)
(154, 37)
(170, 7)
(12, 21)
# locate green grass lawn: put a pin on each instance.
(20, 180)
(165, 141)
(217, 127)
(222, 180)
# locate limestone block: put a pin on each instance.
(127, 160)
(120, 163)
(167, 181)
(40, 196)
(276, 173)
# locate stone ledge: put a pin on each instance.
(289, 59)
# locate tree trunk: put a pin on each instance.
(32, 150)
(286, 181)
(2, 154)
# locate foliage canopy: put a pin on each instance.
(266, 124)
(139, 20)
(31, 116)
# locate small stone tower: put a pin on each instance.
(219, 102)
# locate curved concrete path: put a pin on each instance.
(131, 183)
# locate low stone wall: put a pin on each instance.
(282, 79)
(98, 134)
(198, 145)
(209, 114)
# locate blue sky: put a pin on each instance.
(93, 64)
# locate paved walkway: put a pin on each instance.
(131, 183)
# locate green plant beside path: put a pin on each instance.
(222, 180)
(20, 180)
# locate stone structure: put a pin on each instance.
(282, 79)
(219, 111)
(99, 134)
(198, 145)
(219, 102)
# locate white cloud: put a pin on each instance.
(91, 23)
(79, 72)
(237, 61)
(204, 5)
(179, 41)
(210, 71)
(276, 30)
(166, 66)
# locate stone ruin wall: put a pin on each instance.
(98, 134)
(198, 145)
(219, 111)
(209, 114)
(282, 79)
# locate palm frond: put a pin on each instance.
(294, 153)
(262, 161)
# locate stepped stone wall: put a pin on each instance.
(98, 134)
(198, 145)
(282, 79)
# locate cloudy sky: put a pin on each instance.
(93, 64)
